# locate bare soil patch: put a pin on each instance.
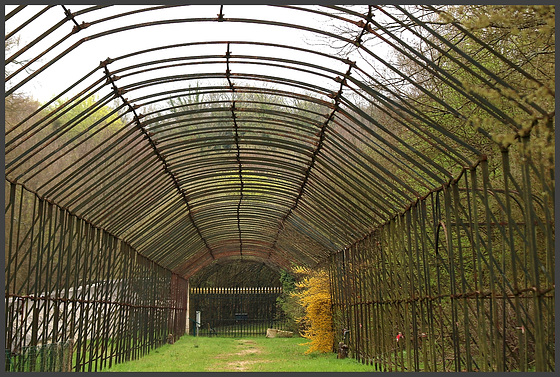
(247, 341)
(249, 349)
(243, 365)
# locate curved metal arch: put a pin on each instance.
(217, 222)
(51, 137)
(251, 163)
(242, 174)
(234, 60)
(218, 214)
(232, 43)
(328, 168)
(274, 262)
(173, 238)
(231, 246)
(412, 160)
(240, 76)
(210, 89)
(192, 121)
(325, 220)
(314, 30)
(117, 178)
(253, 21)
(287, 145)
(153, 23)
(275, 202)
(248, 125)
(170, 240)
(144, 230)
(491, 109)
(280, 189)
(263, 135)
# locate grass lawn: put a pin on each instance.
(251, 354)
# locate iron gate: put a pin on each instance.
(235, 311)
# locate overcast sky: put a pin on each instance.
(88, 55)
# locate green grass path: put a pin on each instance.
(251, 354)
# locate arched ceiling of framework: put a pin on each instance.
(223, 175)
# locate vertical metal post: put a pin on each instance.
(197, 324)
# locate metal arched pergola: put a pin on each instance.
(288, 135)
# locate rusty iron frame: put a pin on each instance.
(307, 176)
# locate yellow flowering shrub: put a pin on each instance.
(313, 293)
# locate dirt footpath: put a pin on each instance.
(244, 359)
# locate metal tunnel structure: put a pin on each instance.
(176, 136)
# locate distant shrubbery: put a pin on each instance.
(288, 303)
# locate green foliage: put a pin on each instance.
(87, 114)
(94, 126)
(289, 304)
(490, 112)
(288, 281)
(235, 273)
